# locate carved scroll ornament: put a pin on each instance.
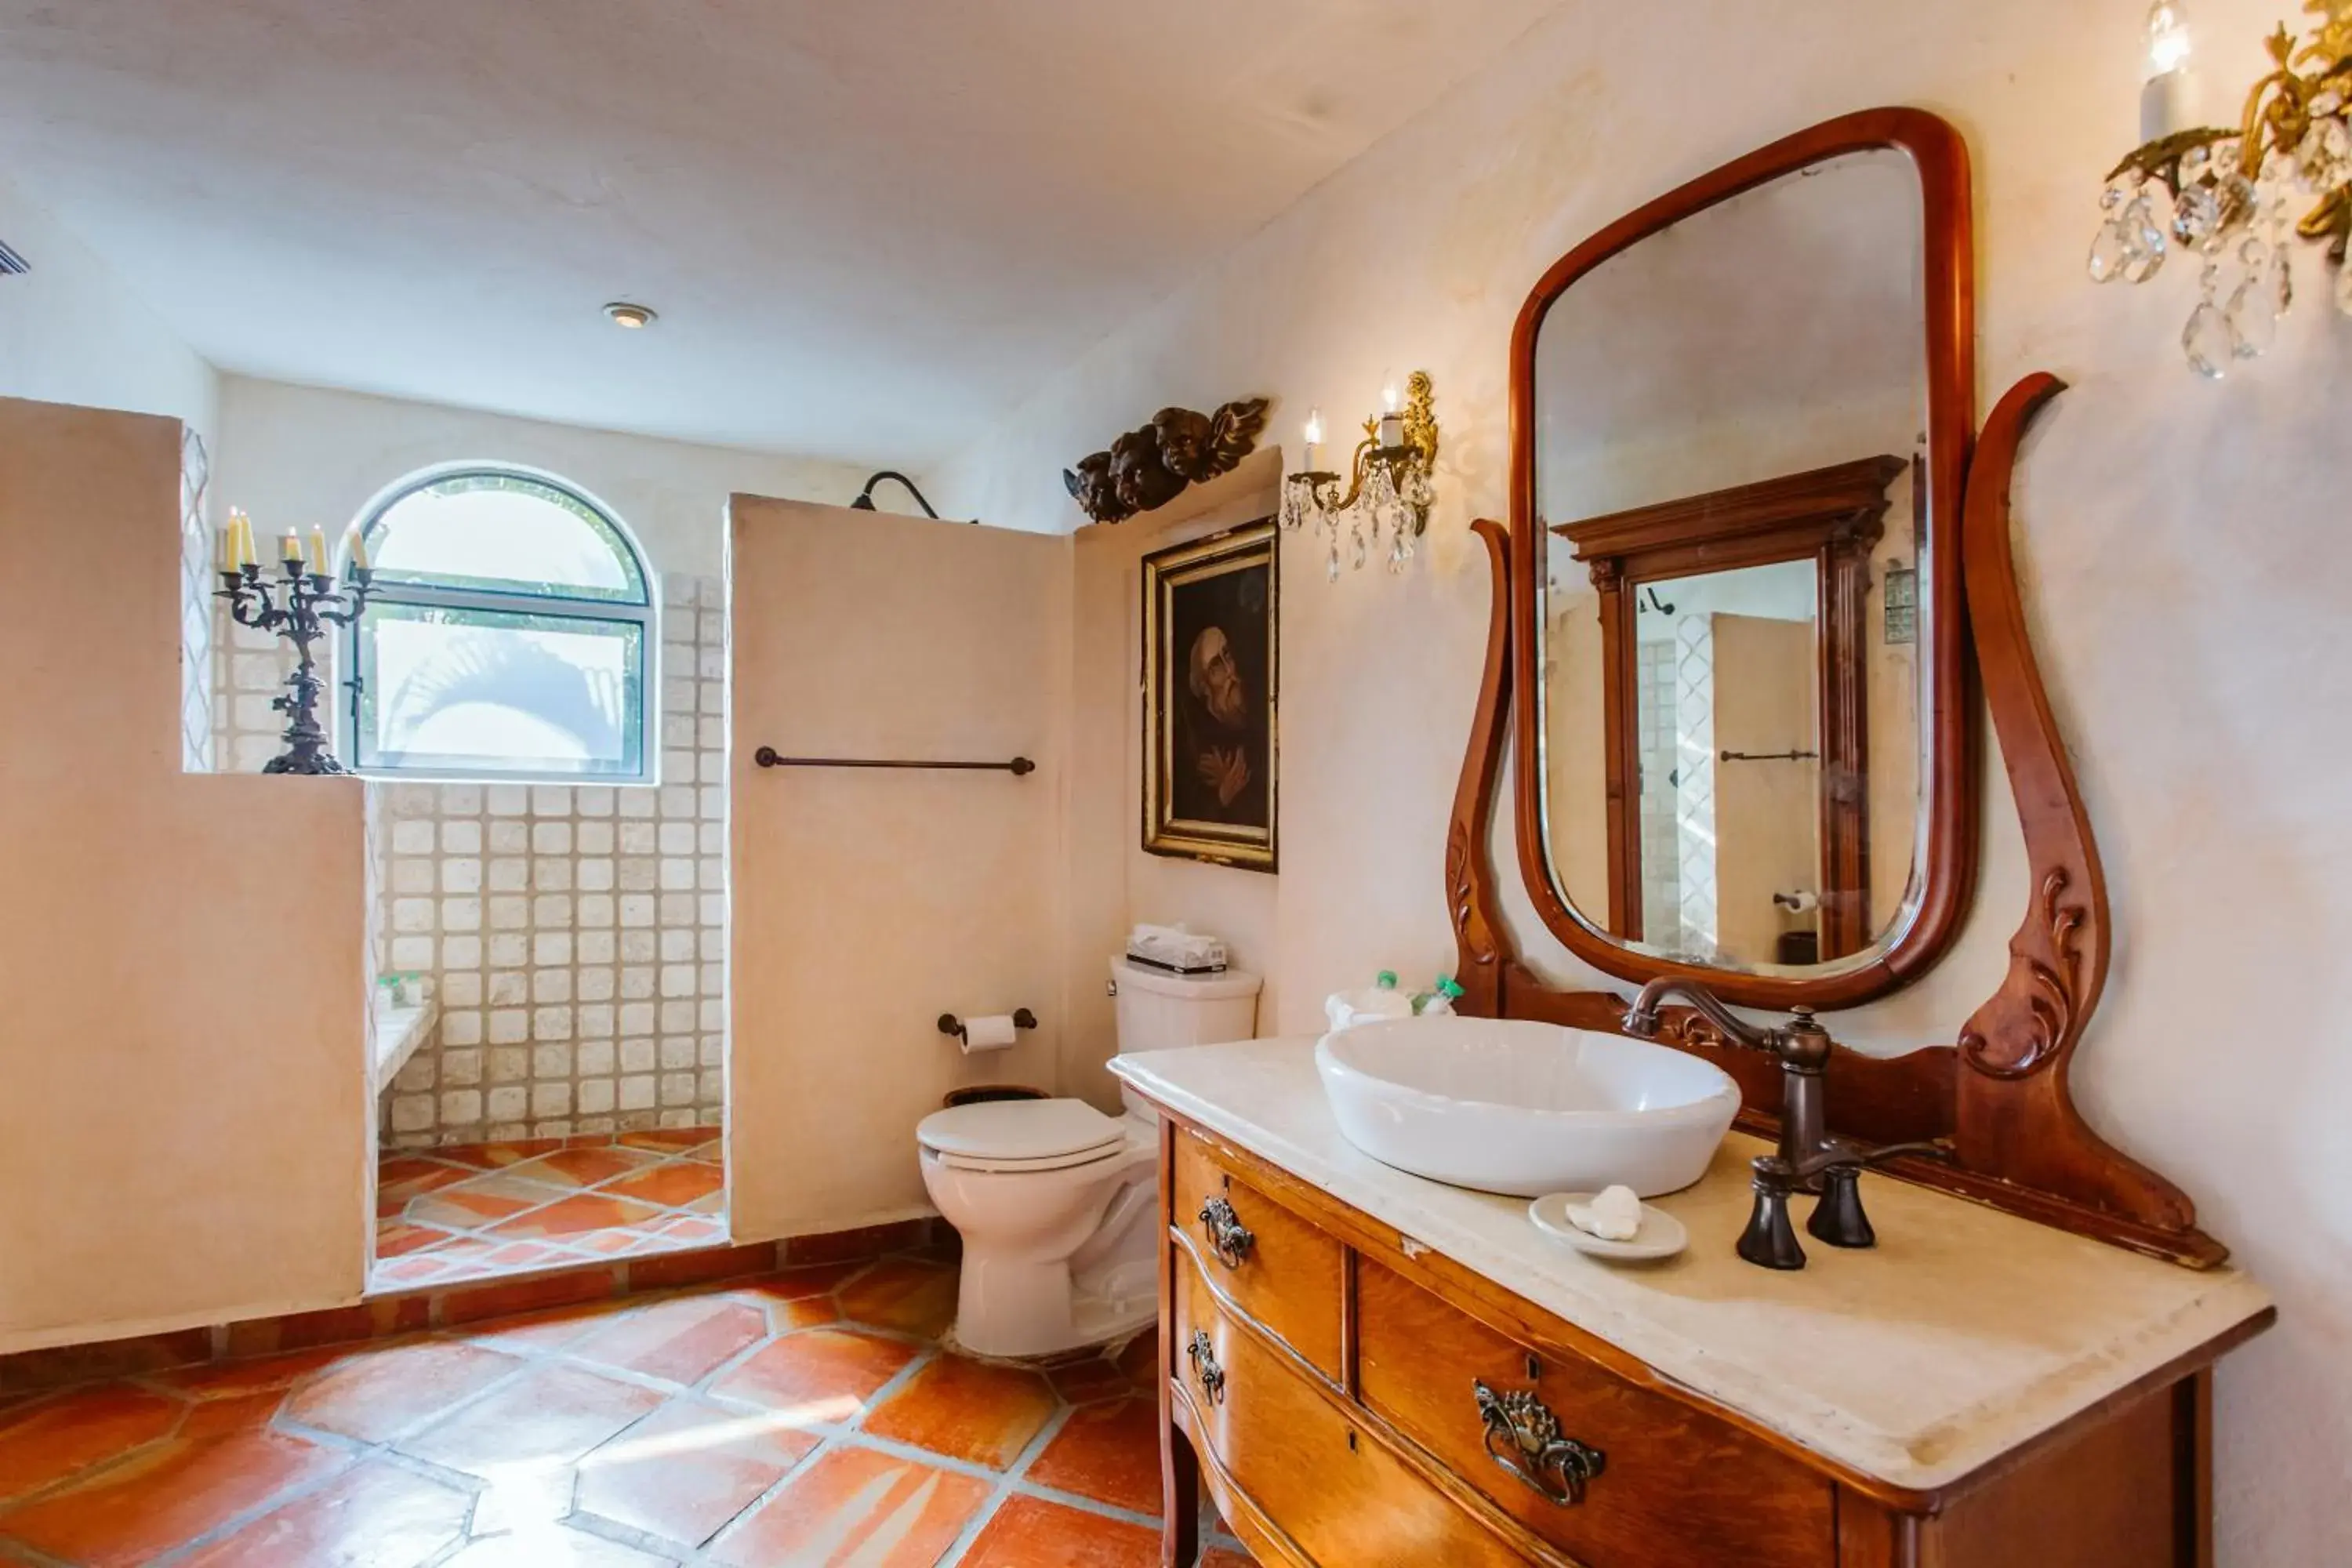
(1149, 466)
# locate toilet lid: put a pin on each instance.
(1023, 1130)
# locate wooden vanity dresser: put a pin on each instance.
(1352, 1395)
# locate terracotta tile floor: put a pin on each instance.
(446, 1215)
(805, 1418)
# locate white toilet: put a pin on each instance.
(1058, 1203)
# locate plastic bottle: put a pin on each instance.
(1437, 1002)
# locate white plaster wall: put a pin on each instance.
(299, 455)
(71, 331)
(1112, 882)
(2183, 548)
(867, 902)
(183, 1121)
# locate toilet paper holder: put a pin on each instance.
(1021, 1019)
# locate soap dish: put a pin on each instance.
(1661, 1235)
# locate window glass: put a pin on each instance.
(503, 533)
(509, 632)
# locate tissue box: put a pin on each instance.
(1176, 950)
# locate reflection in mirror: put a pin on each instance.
(1727, 415)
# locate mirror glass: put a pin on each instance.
(1729, 416)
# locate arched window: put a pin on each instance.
(510, 634)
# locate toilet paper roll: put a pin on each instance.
(991, 1033)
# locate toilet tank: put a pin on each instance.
(1158, 1011)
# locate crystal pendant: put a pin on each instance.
(2107, 248)
(2143, 244)
(2197, 216)
(2209, 341)
(1359, 552)
(1332, 564)
(2252, 325)
(2261, 299)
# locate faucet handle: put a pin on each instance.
(1838, 1218)
(1771, 1241)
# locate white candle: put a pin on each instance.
(2165, 97)
(290, 547)
(1314, 436)
(358, 541)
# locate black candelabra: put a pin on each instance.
(298, 607)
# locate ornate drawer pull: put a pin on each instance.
(1229, 1238)
(1523, 1436)
(1205, 1368)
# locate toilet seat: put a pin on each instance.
(1022, 1135)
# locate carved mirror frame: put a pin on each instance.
(1949, 760)
(1998, 1097)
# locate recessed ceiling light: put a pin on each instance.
(621, 313)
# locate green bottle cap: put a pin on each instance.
(1387, 979)
(1446, 983)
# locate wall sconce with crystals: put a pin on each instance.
(2223, 195)
(1389, 485)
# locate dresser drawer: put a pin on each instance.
(1675, 1488)
(1273, 1266)
(1342, 1498)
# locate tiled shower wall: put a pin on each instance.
(575, 936)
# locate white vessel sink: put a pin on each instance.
(1527, 1108)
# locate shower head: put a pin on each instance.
(864, 502)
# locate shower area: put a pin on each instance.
(548, 1022)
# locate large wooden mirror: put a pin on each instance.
(1784, 546)
(1740, 421)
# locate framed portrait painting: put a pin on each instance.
(1210, 663)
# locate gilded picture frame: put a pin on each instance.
(1211, 663)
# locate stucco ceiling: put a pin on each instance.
(869, 225)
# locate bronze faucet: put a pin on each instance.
(1808, 1160)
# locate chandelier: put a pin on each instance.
(1389, 485)
(2229, 196)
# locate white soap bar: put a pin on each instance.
(1614, 1215)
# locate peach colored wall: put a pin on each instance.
(184, 1121)
(1113, 883)
(865, 903)
(2183, 550)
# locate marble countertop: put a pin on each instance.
(1963, 1334)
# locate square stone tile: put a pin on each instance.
(573, 1216)
(1028, 1533)
(584, 1167)
(969, 1410)
(59, 1435)
(682, 1339)
(918, 1298)
(374, 1515)
(674, 1184)
(376, 1397)
(858, 1506)
(688, 1468)
(817, 1374)
(543, 1420)
(1110, 1453)
(130, 1513)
